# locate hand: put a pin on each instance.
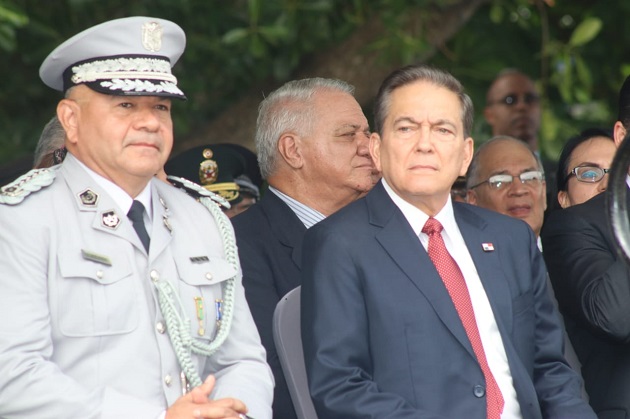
(197, 405)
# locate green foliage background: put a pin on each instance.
(576, 50)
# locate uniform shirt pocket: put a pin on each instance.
(96, 299)
(201, 293)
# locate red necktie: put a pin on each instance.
(457, 289)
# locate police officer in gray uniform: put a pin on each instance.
(121, 296)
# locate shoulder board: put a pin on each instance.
(20, 188)
(197, 191)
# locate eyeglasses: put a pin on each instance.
(513, 99)
(497, 182)
(588, 174)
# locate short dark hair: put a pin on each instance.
(569, 147)
(624, 104)
(413, 73)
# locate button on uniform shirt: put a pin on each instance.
(488, 330)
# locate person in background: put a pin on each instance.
(513, 109)
(50, 148)
(417, 306)
(583, 166)
(507, 177)
(218, 168)
(592, 283)
(121, 295)
(250, 194)
(458, 190)
(312, 141)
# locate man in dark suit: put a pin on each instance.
(312, 140)
(592, 284)
(414, 306)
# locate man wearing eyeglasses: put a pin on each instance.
(592, 284)
(513, 108)
(507, 177)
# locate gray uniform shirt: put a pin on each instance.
(81, 332)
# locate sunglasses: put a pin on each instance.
(513, 99)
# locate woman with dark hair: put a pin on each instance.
(583, 166)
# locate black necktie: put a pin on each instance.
(136, 215)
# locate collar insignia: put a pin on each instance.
(89, 198)
(110, 219)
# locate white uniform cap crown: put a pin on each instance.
(128, 56)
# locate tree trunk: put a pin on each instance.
(352, 60)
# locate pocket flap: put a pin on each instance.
(104, 269)
(209, 272)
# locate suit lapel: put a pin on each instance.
(401, 244)
(286, 226)
(485, 249)
(161, 224)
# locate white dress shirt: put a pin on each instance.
(306, 214)
(488, 330)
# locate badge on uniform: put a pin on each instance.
(89, 198)
(487, 247)
(95, 257)
(199, 310)
(109, 219)
(165, 220)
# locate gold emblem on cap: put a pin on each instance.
(152, 36)
(208, 169)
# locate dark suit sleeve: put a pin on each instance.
(336, 335)
(557, 385)
(592, 284)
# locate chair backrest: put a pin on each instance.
(288, 340)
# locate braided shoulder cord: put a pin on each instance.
(36, 179)
(178, 327)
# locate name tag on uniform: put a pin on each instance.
(95, 257)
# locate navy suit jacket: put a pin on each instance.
(269, 238)
(592, 284)
(382, 338)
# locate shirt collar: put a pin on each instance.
(118, 195)
(307, 215)
(417, 218)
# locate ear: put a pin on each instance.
(619, 133)
(471, 197)
(469, 149)
(375, 150)
(544, 195)
(68, 113)
(289, 147)
(563, 199)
